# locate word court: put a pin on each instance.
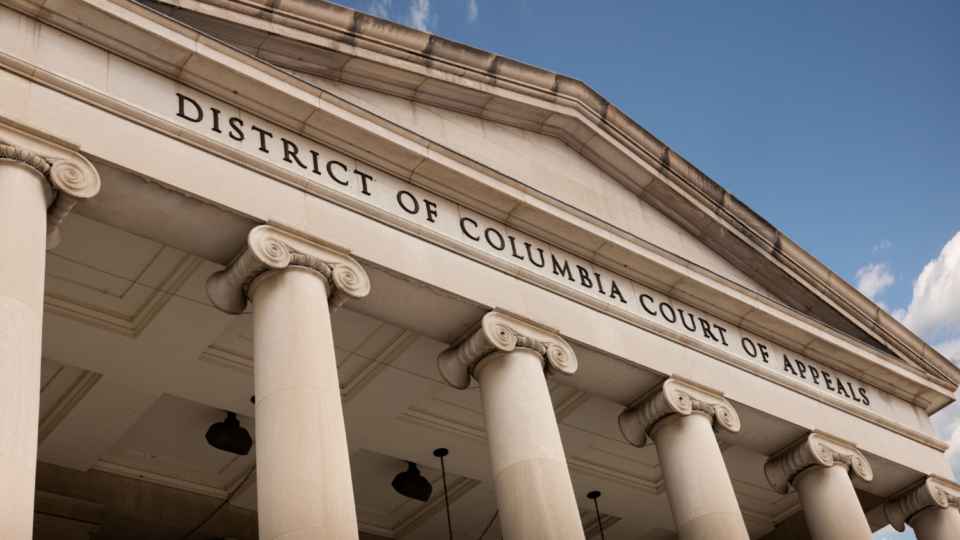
(547, 260)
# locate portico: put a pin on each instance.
(367, 256)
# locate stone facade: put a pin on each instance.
(366, 243)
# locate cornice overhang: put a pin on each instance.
(360, 49)
(178, 52)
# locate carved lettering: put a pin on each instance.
(183, 113)
(543, 262)
(466, 233)
(713, 330)
(584, 277)
(263, 138)
(330, 165)
(562, 271)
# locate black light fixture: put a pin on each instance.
(596, 495)
(440, 453)
(229, 436)
(409, 483)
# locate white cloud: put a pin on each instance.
(947, 425)
(472, 10)
(380, 9)
(873, 279)
(935, 311)
(419, 16)
(886, 244)
(950, 349)
(936, 295)
(947, 421)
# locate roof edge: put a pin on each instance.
(402, 42)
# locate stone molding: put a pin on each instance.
(572, 111)
(933, 492)
(817, 449)
(676, 396)
(70, 175)
(504, 331)
(276, 246)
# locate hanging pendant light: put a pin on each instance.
(440, 453)
(229, 436)
(596, 495)
(409, 483)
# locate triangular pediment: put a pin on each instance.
(549, 165)
(504, 115)
(522, 145)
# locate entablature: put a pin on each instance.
(341, 44)
(404, 162)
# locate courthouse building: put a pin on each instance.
(357, 244)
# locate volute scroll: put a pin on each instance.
(71, 177)
(933, 492)
(503, 331)
(276, 246)
(676, 396)
(817, 449)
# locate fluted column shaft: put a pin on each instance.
(304, 488)
(936, 523)
(830, 504)
(701, 495)
(534, 492)
(24, 197)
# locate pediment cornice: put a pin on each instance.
(347, 45)
(182, 54)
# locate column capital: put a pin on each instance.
(933, 491)
(71, 177)
(276, 246)
(501, 330)
(816, 449)
(676, 396)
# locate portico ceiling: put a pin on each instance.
(137, 363)
(138, 404)
(290, 100)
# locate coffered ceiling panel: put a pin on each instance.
(61, 389)
(758, 501)
(81, 415)
(383, 511)
(167, 444)
(141, 279)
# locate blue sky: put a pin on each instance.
(839, 123)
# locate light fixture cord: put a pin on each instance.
(495, 514)
(443, 471)
(224, 503)
(599, 523)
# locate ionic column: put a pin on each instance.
(41, 177)
(294, 281)
(819, 466)
(930, 508)
(510, 357)
(680, 417)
